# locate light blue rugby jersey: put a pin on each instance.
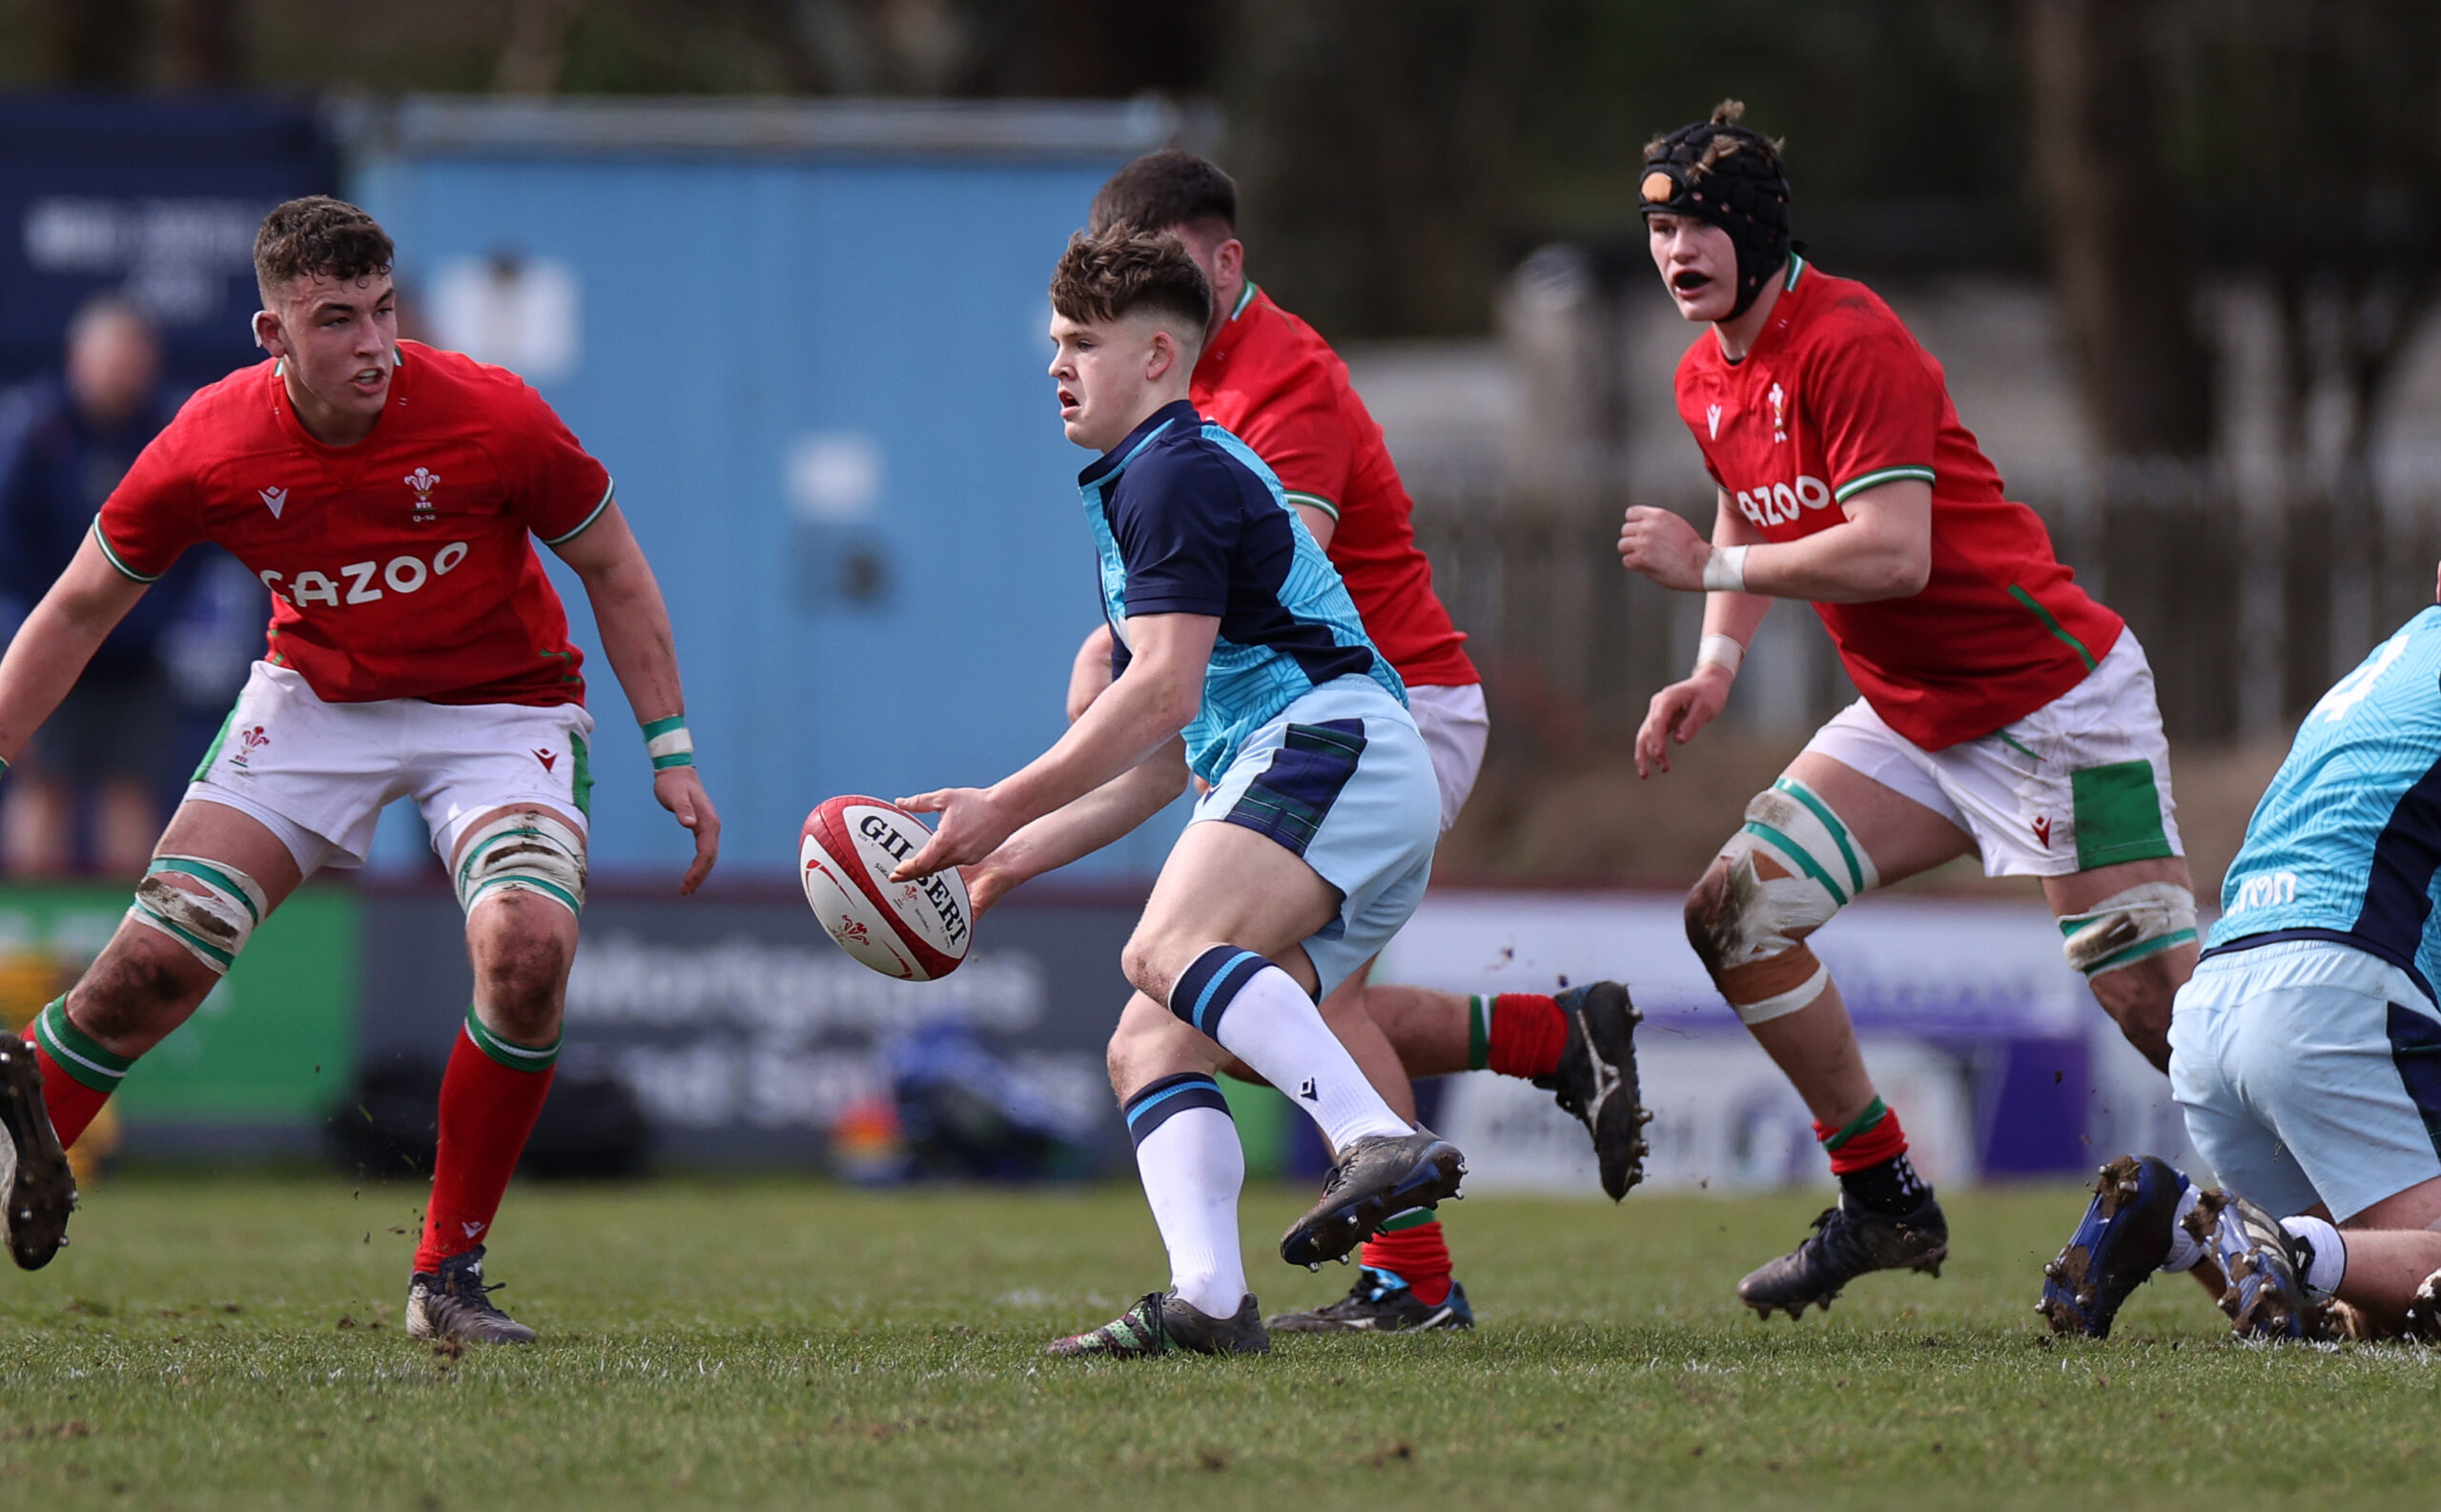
(2345, 843)
(1187, 520)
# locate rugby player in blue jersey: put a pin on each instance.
(2307, 1049)
(1238, 657)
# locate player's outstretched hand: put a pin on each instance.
(1677, 712)
(971, 827)
(1663, 547)
(679, 789)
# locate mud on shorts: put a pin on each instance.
(318, 774)
(2309, 1072)
(1342, 778)
(2081, 783)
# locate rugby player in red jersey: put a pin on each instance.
(2006, 713)
(385, 493)
(1273, 381)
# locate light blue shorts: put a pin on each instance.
(2309, 1072)
(1342, 778)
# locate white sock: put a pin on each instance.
(1188, 1155)
(2327, 1254)
(1261, 1016)
(2185, 1249)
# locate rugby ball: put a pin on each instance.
(913, 931)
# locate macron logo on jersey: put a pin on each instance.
(1712, 414)
(274, 500)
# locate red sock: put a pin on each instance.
(1880, 1140)
(1419, 1255)
(70, 1103)
(488, 1109)
(1527, 1034)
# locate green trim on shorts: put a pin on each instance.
(581, 775)
(2016, 744)
(212, 752)
(2118, 816)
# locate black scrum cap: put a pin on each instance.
(1728, 176)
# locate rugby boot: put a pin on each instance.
(37, 1189)
(1596, 1080)
(2266, 1292)
(1848, 1241)
(1379, 1303)
(1375, 1179)
(1161, 1323)
(454, 1303)
(2118, 1245)
(2424, 1312)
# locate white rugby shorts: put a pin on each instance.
(2081, 783)
(1455, 726)
(318, 774)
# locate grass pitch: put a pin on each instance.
(235, 1342)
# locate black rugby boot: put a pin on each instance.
(1376, 1180)
(1596, 1080)
(1848, 1241)
(37, 1189)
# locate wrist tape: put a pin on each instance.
(668, 743)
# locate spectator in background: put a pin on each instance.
(65, 442)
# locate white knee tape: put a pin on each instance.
(531, 852)
(1782, 1004)
(211, 916)
(2126, 927)
(1792, 867)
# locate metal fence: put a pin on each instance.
(2248, 606)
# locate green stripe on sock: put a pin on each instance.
(1478, 1032)
(76, 1051)
(1411, 1218)
(507, 1052)
(1875, 1112)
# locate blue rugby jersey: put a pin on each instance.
(1188, 520)
(2345, 843)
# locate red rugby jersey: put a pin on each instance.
(1835, 398)
(1279, 387)
(401, 566)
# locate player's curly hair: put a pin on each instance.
(1766, 150)
(320, 235)
(1120, 270)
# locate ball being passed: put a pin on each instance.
(913, 931)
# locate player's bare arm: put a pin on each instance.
(1683, 708)
(50, 650)
(1143, 711)
(635, 635)
(1090, 673)
(1883, 550)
